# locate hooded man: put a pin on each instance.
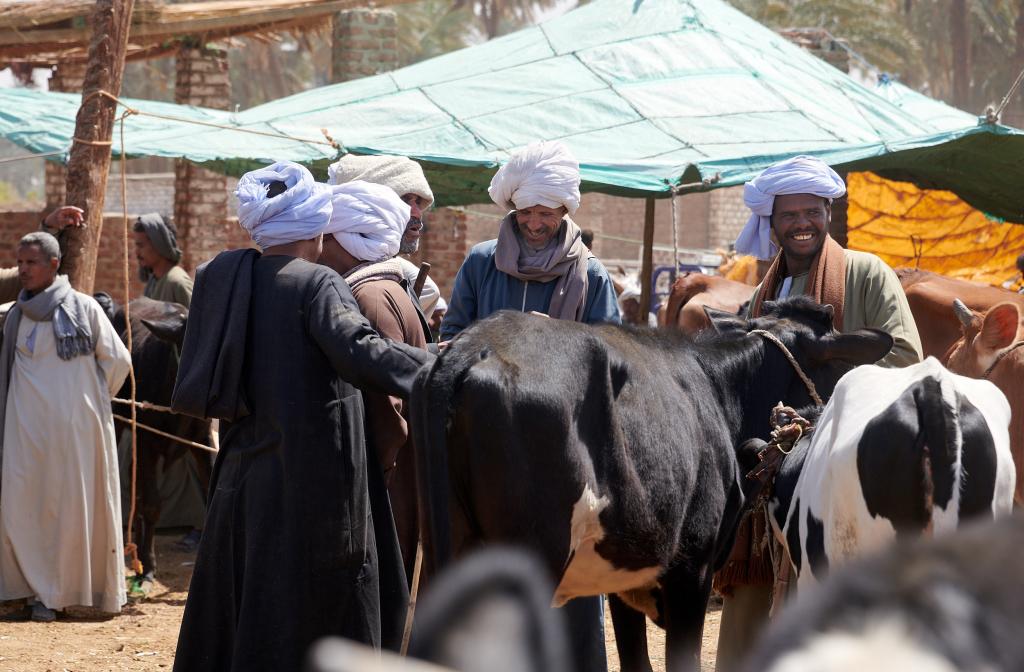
(791, 204)
(405, 177)
(156, 248)
(60, 517)
(274, 344)
(538, 262)
(183, 501)
(361, 243)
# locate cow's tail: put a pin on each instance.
(429, 410)
(940, 439)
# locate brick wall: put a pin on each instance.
(364, 43)
(201, 196)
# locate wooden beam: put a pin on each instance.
(89, 162)
(181, 20)
(647, 263)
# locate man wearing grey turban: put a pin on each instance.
(156, 249)
(181, 494)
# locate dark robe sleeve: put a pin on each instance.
(355, 350)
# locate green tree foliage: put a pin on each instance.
(912, 39)
(430, 28)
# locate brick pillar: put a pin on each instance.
(365, 42)
(201, 196)
(66, 78)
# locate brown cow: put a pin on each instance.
(692, 291)
(992, 347)
(931, 295)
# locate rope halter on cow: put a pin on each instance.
(788, 427)
(999, 358)
(792, 360)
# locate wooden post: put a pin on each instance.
(647, 263)
(90, 152)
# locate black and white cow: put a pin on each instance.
(894, 452)
(945, 604)
(610, 450)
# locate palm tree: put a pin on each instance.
(430, 28)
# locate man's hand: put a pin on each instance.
(63, 217)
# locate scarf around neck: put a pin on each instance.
(826, 281)
(565, 258)
(66, 310)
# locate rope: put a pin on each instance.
(792, 360)
(1009, 95)
(12, 159)
(174, 437)
(93, 143)
(144, 405)
(999, 358)
(129, 546)
(675, 239)
(330, 142)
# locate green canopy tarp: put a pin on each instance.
(647, 93)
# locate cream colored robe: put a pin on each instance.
(60, 512)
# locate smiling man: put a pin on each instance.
(791, 204)
(538, 262)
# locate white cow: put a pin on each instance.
(895, 452)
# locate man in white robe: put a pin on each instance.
(60, 509)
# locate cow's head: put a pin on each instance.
(169, 328)
(806, 329)
(984, 336)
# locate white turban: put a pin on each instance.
(799, 175)
(368, 220)
(399, 173)
(545, 173)
(299, 213)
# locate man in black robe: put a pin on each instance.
(273, 347)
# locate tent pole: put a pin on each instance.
(647, 262)
(89, 160)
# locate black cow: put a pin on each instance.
(929, 605)
(158, 330)
(610, 450)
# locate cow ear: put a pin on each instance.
(864, 346)
(171, 329)
(723, 321)
(999, 329)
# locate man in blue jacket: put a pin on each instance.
(538, 262)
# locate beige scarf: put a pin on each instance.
(565, 259)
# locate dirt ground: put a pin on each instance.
(144, 635)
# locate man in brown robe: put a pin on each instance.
(366, 233)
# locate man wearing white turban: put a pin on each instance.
(361, 242)
(791, 205)
(538, 262)
(405, 177)
(275, 347)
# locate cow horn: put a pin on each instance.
(963, 312)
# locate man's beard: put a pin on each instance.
(411, 245)
(145, 273)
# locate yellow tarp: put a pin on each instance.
(929, 229)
